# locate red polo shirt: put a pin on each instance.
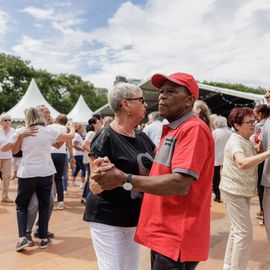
(179, 226)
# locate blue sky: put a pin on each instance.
(215, 40)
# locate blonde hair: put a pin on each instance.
(34, 117)
(204, 113)
(77, 126)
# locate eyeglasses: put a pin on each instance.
(251, 122)
(7, 120)
(138, 98)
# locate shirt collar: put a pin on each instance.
(175, 124)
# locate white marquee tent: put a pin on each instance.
(80, 112)
(31, 98)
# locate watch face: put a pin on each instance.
(127, 186)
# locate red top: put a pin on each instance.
(179, 226)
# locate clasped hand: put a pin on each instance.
(106, 175)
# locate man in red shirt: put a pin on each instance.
(175, 215)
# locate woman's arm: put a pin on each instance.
(86, 145)
(76, 146)
(15, 145)
(67, 136)
(6, 147)
(244, 162)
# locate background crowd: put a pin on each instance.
(47, 155)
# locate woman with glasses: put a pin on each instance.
(113, 215)
(6, 132)
(238, 185)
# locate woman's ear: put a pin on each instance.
(236, 126)
(125, 104)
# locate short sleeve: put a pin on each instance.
(192, 151)
(234, 146)
(100, 146)
(53, 134)
(89, 136)
(76, 138)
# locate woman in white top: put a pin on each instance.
(35, 173)
(59, 158)
(6, 132)
(221, 135)
(238, 186)
(94, 126)
(78, 153)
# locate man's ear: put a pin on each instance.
(190, 101)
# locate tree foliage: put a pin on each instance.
(62, 91)
(237, 87)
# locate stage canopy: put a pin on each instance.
(80, 112)
(31, 98)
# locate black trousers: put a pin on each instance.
(160, 262)
(259, 186)
(59, 161)
(216, 182)
(86, 189)
(26, 187)
(79, 166)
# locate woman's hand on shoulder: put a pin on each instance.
(28, 131)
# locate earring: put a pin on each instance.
(128, 114)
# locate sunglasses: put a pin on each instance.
(7, 120)
(142, 99)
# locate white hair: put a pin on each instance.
(119, 92)
(219, 122)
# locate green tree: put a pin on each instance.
(237, 87)
(60, 90)
(15, 75)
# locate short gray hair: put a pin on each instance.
(219, 122)
(119, 92)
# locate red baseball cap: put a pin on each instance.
(183, 79)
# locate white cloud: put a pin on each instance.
(4, 20)
(55, 16)
(169, 36)
(40, 13)
(213, 39)
(44, 55)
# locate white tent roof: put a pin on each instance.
(31, 98)
(80, 112)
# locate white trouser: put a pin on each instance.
(266, 210)
(114, 246)
(239, 243)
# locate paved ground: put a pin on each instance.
(72, 247)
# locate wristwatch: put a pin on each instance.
(128, 185)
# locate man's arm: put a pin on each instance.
(94, 186)
(167, 184)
